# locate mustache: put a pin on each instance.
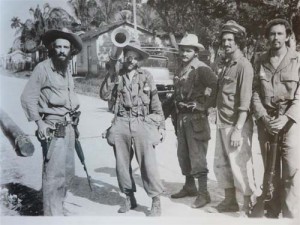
(61, 54)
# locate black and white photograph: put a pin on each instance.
(149, 112)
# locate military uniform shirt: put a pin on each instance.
(48, 92)
(234, 90)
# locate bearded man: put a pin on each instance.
(50, 101)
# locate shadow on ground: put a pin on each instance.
(31, 199)
(103, 193)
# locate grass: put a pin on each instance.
(89, 85)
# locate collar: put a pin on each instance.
(233, 60)
(193, 64)
(287, 59)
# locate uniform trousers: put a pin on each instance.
(131, 137)
(58, 170)
(287, 176)
(233, 166)
(193, 133)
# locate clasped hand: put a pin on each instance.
(273, 125)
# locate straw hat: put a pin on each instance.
(136, 46)
(191, 40)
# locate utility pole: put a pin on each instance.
(134, 20)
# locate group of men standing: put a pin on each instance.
(269, 92)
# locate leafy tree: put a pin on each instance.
(30, 32)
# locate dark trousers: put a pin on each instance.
(193, 134)
(287, 177)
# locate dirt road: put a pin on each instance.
(105, 198)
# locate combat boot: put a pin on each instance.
(189, 188)
(201, 200)
(246, 206)
(203, 195)
(130, 203)
(229, 204)
(133, 202)
(156, 207)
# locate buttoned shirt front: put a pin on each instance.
(234, 89)
(272, 86)
(48, 92)
(135, 97)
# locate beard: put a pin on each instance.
(61, 64)
(129, 66)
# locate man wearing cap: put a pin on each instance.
(49, 99)
(233, 158)
(276, 107)
(195, 89)
(137, 127)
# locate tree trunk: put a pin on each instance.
(173, 40)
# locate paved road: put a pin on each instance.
(105, 199)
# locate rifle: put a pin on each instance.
(80, 154)
(257, 210)
(78, 148)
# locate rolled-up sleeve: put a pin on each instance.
(31, 94)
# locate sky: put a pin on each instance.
(20, 8)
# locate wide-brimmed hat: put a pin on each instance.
(64, 33)
(136, 46)
(233, 27)
(191, 40)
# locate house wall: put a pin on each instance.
(100, 48)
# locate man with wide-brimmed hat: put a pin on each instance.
(276, 107)
(233, 158)
(49, 100)
(195, 89)
(137, 127)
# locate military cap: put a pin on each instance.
(233, 27)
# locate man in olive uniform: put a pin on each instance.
(195, 89)
(49, 99)
(137, 127)
(276, 87)
(233, 158)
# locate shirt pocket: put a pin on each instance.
(200, 127)
(289, 79)
(228, 85)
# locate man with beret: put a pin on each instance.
(138, 126)
(233, 158)
(276, 107)
(49, 100)
(195, 89)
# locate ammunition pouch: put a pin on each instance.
(109, 135)
(60, 130)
